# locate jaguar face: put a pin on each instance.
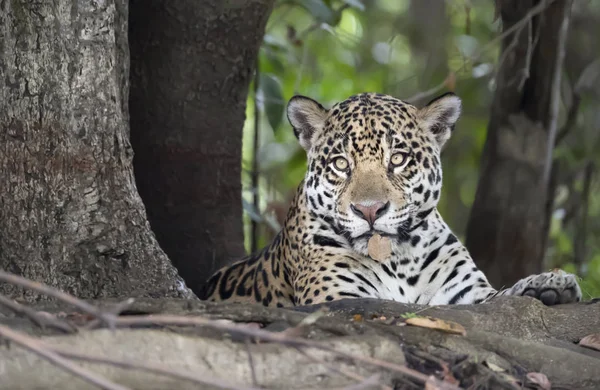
(373, 162)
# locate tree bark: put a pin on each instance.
(192, 63)
(427, 26)
(70, 215)
(507, 229)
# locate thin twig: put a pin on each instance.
(359, 378)
(571, 118)
(366, 383)
(430, 92)
(255, 175)
(517, 26)
(251, 363)
(579, 249)
(148, 367)
(38, 318)
(126, 321)
(107, 318)
(552, 128)
(38, 348)
(116, 310)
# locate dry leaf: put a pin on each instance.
(357, 318)
(540, 380)
(380, 248)
(430, 384)
(591, 341)
(447, 374)
(436, 323)
(494, 367)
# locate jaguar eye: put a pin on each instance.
(398, 159)
(341, 164)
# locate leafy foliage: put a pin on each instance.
(415, 50)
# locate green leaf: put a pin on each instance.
(273, 99)
(319, 10)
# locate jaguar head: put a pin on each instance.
(373, 161)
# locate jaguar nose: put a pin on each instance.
(370, 211)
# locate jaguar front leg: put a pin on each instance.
(552, 288)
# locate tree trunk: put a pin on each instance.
(427, 26)
(192, 62)
(70, 215)
(507, 229)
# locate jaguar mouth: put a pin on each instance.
(368, 234)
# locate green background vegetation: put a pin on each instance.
(329, 50)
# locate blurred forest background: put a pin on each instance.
(416, 50)
(125, 137)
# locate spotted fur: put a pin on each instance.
(373, 166)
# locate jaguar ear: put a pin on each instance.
(439, 116)
(307, 117)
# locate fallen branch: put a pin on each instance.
(39, 349)
(112, 320)
(38, 318)
(148, 367)
(128, 321)
(107, 318)
(119, 307)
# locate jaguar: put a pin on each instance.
(373, 168)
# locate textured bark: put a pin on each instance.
(427, 22)
(70, 215)
(192, 62)
(507, 229)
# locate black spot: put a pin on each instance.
(460, 294)
(430, 258)
(434, 275)
(451, 239)
(387, 270)
(341, 265)
(210, 286)
(414, 241)
(365, 280)
(412, 280)
(348, 294)
(241, 289)
(450, 277)
(326, 241)
(426, 196)
(224, 292)
(345, 278)
(424, 214)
